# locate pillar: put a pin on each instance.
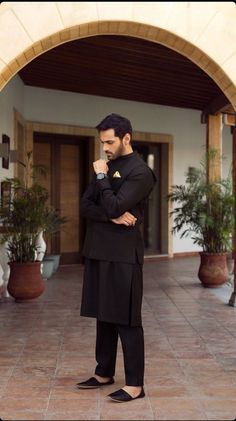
(233, 296)
(214, 142)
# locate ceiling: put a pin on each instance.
(126, 68)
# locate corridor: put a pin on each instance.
(190, 340)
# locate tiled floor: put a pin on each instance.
(190, 337)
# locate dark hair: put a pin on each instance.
(121, 125)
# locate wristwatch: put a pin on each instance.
(101, 176)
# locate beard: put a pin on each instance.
(114, 155)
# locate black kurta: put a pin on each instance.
(112, 289)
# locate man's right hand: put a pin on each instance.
(126, 219)
(100, 166)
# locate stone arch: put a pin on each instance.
(183, 27)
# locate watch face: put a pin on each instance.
(100, 176)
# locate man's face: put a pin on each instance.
(113, 146)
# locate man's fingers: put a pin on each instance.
(126, 219)
(130, 221)
(130, 218)
(100, 166)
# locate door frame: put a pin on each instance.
(166, 171)
(55, 141)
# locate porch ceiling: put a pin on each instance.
(126, 68)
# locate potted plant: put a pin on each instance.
(24, 214)
(204, 211)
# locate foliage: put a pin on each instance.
(25, 213)
(205, 210)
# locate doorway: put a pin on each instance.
(155, 225)
(66, 159)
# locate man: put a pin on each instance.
(113, 250)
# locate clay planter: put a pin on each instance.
(213, 271)
(25, 281)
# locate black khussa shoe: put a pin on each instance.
(93, 383)
(122, 396)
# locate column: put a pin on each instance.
(214, 142)
(233, 296)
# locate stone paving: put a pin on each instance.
(190, 341)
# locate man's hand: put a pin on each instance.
(100, 166)
(126, 219)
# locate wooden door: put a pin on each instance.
(69, 198)
(66, 160)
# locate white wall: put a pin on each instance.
(44, 105)
(12, 96)
(226, 151)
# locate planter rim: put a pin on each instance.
(222, 253)
(24, 263)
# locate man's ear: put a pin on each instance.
(127, 139)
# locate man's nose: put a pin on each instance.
(105, 147)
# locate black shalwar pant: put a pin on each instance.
(132, 341)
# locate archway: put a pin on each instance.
(181, 27)
(188, 28)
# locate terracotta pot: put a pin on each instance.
(25, 281)
(213, 271)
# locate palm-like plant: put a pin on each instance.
(204, 209)
(25, 214)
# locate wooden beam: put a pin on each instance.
(217, 105)
(229, 119)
